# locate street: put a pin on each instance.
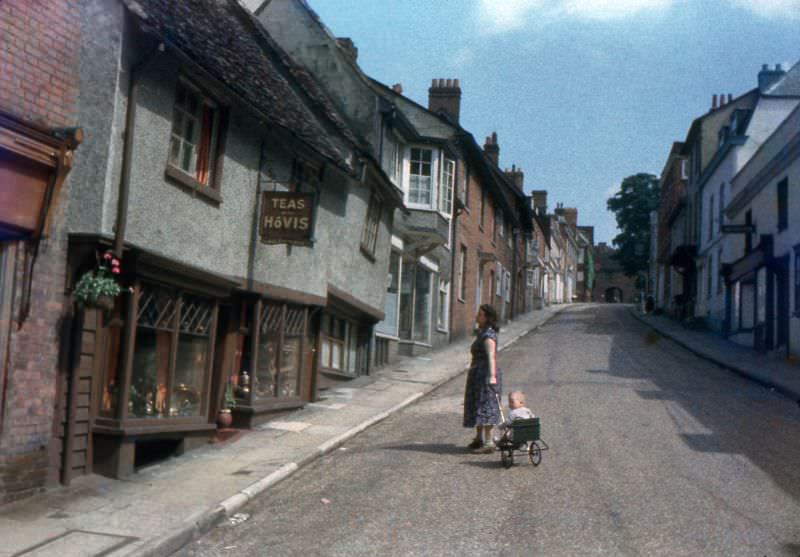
(652, 452)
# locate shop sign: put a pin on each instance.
(286, 217)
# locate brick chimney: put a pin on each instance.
(539, 202)
(348, 46)
(398, 88)
(767, 77)
(571, 217)
(445, 95)
(492, 149)
(516, 176)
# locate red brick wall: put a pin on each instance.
(39, 59)
(476, 239)
(39, 42)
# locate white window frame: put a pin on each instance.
(443, 325)
(434, 185)
(447, 181)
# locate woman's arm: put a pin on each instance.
(490, 351)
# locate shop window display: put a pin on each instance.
(279, 356)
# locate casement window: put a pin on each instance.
(446, 184)
(339, 344)
(420, 179)
(195, 138)
(442, 320)
(797, 280)
(500, 223)
(462, 273)
(783, 204)
(369, 236)
(393, 161)
(530, 278)
(499, 274)
(171, 354)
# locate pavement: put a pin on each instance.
(162, 507)
(774, 372)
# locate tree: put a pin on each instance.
(631, 205)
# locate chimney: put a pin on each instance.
(730, 98)
(571, 216)
(714, 102)
(349, 48)
(516, 176)
(539, 202)
(398, 88)
(444, 95)
(767, 77)
(492, 149)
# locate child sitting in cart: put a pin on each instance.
(516, 402)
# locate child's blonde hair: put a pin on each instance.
(518, 395)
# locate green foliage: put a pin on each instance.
(98, 283)
(631, 205)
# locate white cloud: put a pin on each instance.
(462, 57)
(789, 9)
(500, 16)
(612, 9)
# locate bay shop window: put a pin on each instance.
(272, 357)
(168, 334)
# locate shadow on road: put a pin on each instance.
(433, 448)
(723, 413)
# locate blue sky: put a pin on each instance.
(581, 92)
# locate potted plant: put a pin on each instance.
(98, 287)
(225, 418)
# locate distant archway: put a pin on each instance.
(613, 294)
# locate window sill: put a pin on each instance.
(462, 300)
(366, 253)
(387, 337)
(441, 330)
(195, 187)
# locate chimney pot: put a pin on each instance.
(397, 88)
(730, 98)
(714, 102)
(445, 96)
(764, 67)
(777, 67)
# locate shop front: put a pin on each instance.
(146, 365)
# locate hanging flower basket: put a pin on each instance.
(98, 288)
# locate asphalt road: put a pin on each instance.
(652, 452)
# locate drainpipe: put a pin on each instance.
(251, 259)
(125, 176)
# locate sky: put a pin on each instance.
(581, 93)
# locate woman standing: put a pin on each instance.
(484, 386)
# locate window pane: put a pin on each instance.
(291, 360)
(148, 394)
(175, 150)
(113, 361)
(191, 363)
(326, 353)
(264, 380)
(422, 304)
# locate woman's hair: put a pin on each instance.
(491, 317)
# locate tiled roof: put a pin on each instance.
(227, 42)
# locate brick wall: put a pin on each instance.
(38, 60)
(39, 42)
(476, 239)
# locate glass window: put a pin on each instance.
(389, 324)
(113, 360)
(420, 180)
(194, 138)
(422, 304)
(369, 235)
(446, 184)
(280, 362)
(406, 299)
(340, 345)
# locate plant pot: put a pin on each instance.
(224, 418)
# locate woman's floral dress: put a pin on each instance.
(480, 398)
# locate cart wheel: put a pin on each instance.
(535, 453)
(507, 458)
